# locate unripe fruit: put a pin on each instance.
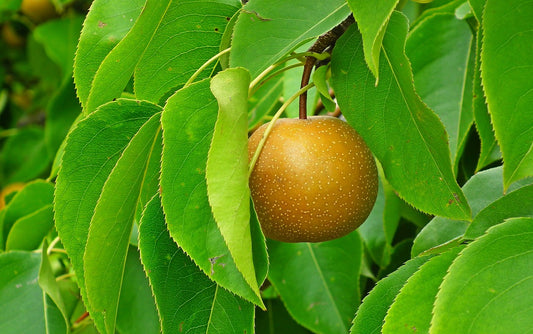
(315, 179)
(38, 10)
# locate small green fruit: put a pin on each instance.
(315, 179)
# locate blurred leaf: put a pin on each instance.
(506, 73)
(412, 308)
(380, 226)
(137, 312)
(24, 156)
(264, 101)
(320, 81)
(116, 69)
(188, 121)
(91, 152)
(29, 231)
(404, 134)
(440, 69)
(20, 295)
(32, 198)
(47, 282)
(227, 169)
(514, 204)
(59, 38)
(61, 112)
(372, 19)
(477, 8)
(318, 282)
(267, 30)
(187, 300)
(189, 35)
(107, 246)
(488, 287)
(372, 312)
(276, 319)
(105, 25)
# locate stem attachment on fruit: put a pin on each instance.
(271, 125)
(323, 43)
(204, 66)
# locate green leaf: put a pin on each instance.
(24, 156)
(440, 71)
(318, 282)
(372, 19)
(412, 308)
(379, 228)
(187, 299)
(227, 169)
(320, 81)
(276, 319)
(404, 134)
(104, 27)
(482, 189)
(137, 312)
(267, 30)
(189, 35)
(29, 231)
(47, 282)
(116, 70)
(372, 312)
(111, 225)
(20, 295)
(32, 198)
(264, 101)
(59, 38)
(488, 287)
(514, 204)
(92, 150)
(188, 121)
(506, 73)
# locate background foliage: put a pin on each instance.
(125, 206)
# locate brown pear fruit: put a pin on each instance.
(315, 179)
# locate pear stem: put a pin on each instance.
(271, 125)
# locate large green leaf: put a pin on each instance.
(188, 121)
(189, 34)
(488, 287)
(506, 73)
(227, 169)
(411, 310)
(91, 153)
(111, 225)
(372, 312)
(105, 25)
(117, 68)
(187, 299)
(267, 30)
(439, 49)
(404, 134)
(29, 231)
(372, 19)
(20, 295)
(318, 282)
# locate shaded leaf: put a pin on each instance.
(29, 231)
(506, 73)
(267, 30)
(405, 135)
(487, 289)
(188, 121)
(372, 19)
(20, 295)
(318, 282)
(111, 225)
(276, 319)
(187, 299)
(189, 34)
